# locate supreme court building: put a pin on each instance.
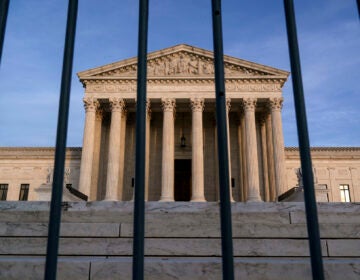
(181, 158)
(181, 148)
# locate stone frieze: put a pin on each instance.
(237, 86)
(181, 64)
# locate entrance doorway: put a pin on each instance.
(182, 179)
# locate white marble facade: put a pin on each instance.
(181, 157)
(181, 108)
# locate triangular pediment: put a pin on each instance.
(182, 61)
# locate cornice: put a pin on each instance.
(240, 78)
(327, 149)
(36, 152)
(328, 153)
(39, 149)
(184, 80)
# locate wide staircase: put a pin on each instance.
(182, 240)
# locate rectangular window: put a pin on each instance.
(344, 193)
(24, 192)
(3, 191)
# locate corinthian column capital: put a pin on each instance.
(116, 104)
(197, 104)
(91, 104)
(168, 104)
(275, 104)
(249, 104)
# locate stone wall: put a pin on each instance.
(34, 166)
(332, 166)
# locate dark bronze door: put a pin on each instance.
(182, 179)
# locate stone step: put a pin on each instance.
(178, 247)
(209, 268)
(185, 213)
(242, 230)
(172, 228)
(270, 239)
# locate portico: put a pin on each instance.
(181, 125)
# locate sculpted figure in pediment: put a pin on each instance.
(206, 68)
(180, 64)
(193, 66)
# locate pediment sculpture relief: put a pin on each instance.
(182, 64)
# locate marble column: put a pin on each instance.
(241, 158)
(91, 105)
(278, 142)
(96, 156)
(124, 114)
(265, 175)
(167, 178)
(147, 149)
(243, 152)
(270, 158)
(112, 180)
(228, 107)
(216, 162)
(253, 194)
(197, 107)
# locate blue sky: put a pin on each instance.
(329, 38)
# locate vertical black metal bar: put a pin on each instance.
(306, 166)
(57, 188)
(4, 7)
(139, 204)
(225, 207)
(358, 6)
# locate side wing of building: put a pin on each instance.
(336, 172)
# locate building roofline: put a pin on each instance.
(325, 148)
(291, 148)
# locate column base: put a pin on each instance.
(166, 199)
(198, 199)
(254, 199)
(110, 199)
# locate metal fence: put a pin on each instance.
(139, 206)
